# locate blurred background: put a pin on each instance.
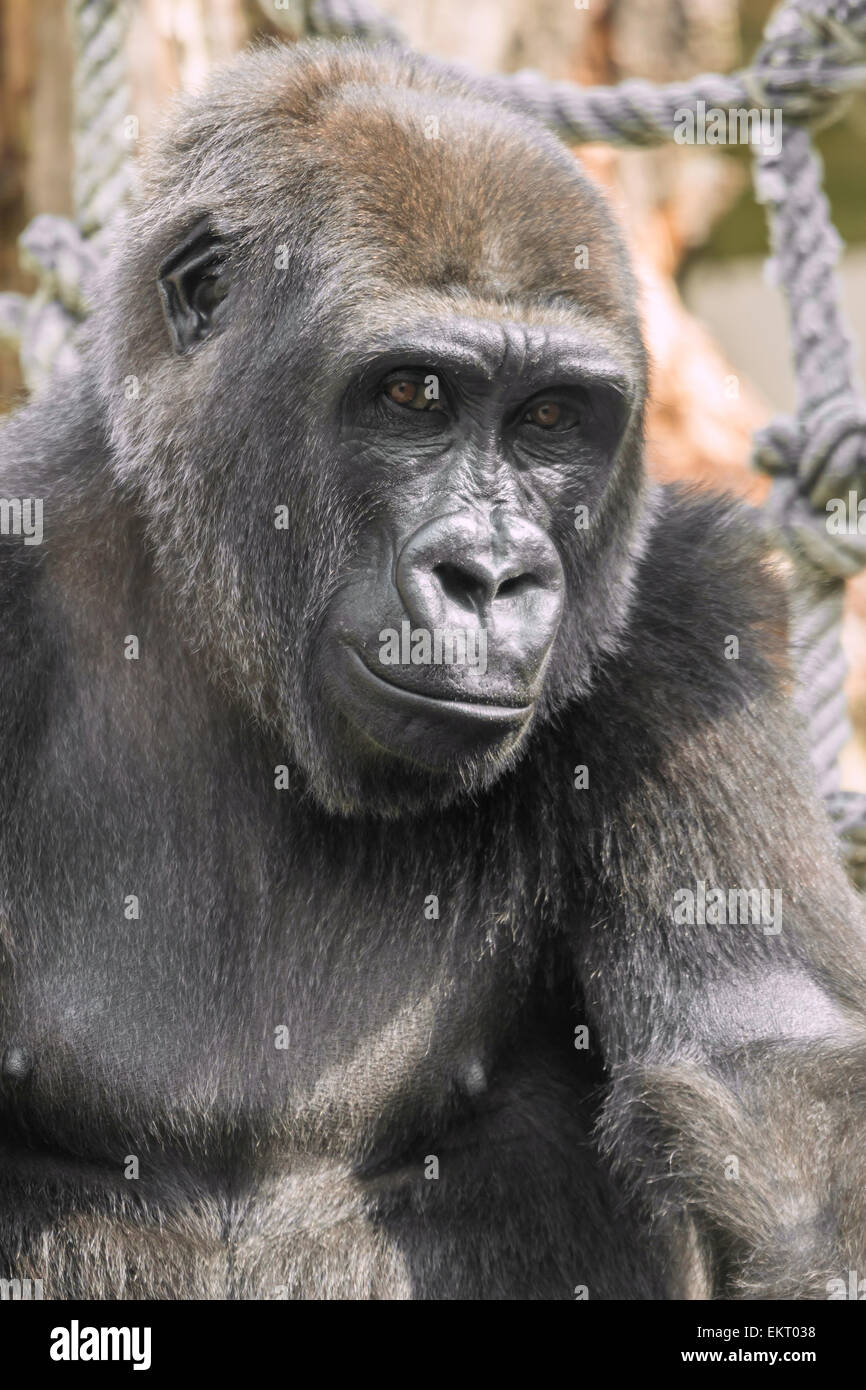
(717, 331)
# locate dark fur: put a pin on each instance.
(300, 1173)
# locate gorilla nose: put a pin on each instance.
(499, 572)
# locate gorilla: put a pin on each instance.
(412, 883)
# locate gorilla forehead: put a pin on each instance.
(394, 163)
(488, 204)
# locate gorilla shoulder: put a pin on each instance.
(708, 627)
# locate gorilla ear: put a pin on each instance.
(192, 282)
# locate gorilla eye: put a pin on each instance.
(403, 392)
(550, 415)
(413, 393)
(546, 414)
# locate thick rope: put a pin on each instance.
(812, 58)
(820, 454)
(64, 254)
(355, 17)
(101, 104)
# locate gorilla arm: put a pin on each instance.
(736, 1050)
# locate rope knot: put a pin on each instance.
(818, 467)
(829, 541)
(812, 58)
(826, 452)
(834, 451)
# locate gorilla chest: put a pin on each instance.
(320, 1032)
(303, 1129)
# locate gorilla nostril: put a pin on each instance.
(476, 591)
(516, 585)
(460, 586)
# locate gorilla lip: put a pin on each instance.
(473, 709)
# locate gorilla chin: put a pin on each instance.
(442, 731)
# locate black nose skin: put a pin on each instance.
(499, 572)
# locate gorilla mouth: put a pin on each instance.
(432, 731)
(473, 706)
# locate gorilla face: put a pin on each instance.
(389, 342)
(472, 434)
